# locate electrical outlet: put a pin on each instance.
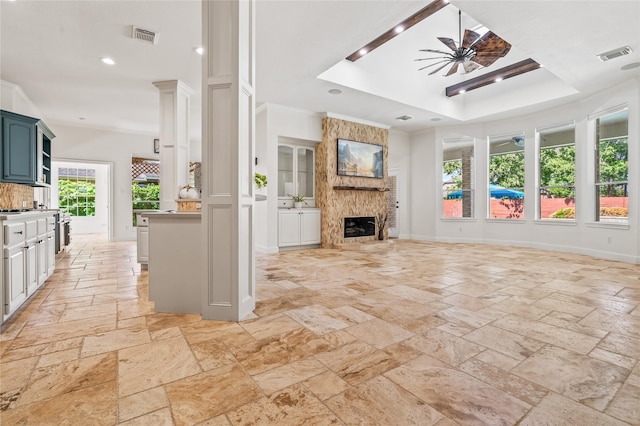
(609, 240)
(460, 229)
(24, 203)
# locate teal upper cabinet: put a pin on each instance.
(26, 150)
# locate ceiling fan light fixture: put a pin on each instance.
(472, 51)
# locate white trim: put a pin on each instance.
(356, 120)
(458, 219)
(556, 126)
(266, 250)
(555, 222)
(607, 111)
(608, 225)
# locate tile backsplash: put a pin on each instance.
(15, 196)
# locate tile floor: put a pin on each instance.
(394, 333)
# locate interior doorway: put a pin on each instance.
(83, 189)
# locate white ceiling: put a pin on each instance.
(52, 49)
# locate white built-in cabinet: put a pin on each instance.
(29, 257)
(298, 227)
(296, 174)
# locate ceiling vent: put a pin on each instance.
(404, 118)
(622, 51)
(147, 36)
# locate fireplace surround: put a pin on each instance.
(359, 226)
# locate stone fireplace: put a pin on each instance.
(359, 226)
(343, 198)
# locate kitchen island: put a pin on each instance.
(175, 261)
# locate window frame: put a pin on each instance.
(539, 187)
(462, 143)
(518, 206)
(597, 183)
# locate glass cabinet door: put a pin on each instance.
(285, 171)
(306, 180)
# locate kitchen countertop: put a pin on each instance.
(25, 215)
(171, 214)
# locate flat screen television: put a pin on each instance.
(360, 159)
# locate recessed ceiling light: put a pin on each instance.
(199, 50)
(399, 29)
(362, 52)
(81, 118)
(436, 119)
(462, 91)
(404, 118)
(630, 66)
(335, 91)
(499, 79)
(108, 61)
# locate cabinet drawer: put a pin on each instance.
(51, 224)
(42, 226)
(32, 229)
(14, 233)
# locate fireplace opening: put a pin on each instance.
(359, 226)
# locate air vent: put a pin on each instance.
(404, 118)
(622, 51)
(147, 36)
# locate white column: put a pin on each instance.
(228, 123)
(174, 140)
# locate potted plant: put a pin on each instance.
(261, 180)
(298, 200)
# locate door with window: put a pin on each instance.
(82, 190)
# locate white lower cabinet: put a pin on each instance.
(28, 260)
(51, 253)
(298, 227)
(31, 266)
(14, 278)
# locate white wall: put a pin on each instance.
(582, 236)
(280, 122)
(422, 185)
(80, 143)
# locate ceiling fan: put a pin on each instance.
(516, 140)
(472, 51)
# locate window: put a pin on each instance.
(506, 176)
(77, 191)
(557, 173)
(145, 185)
(458, 178)
(612, 167)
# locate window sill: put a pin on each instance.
(608, 225)
(498, 220)
(458, 219)
(555, 222)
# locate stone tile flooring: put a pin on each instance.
(393, 333)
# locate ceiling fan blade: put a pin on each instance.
(469, 38)
(491, 43)
(453, 69)
(485, 61)
(448, 42)
(470, 66)
(429, 59)
(434, 51)
(433, 72)
(432, 65)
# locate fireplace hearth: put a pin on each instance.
(359, 227)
